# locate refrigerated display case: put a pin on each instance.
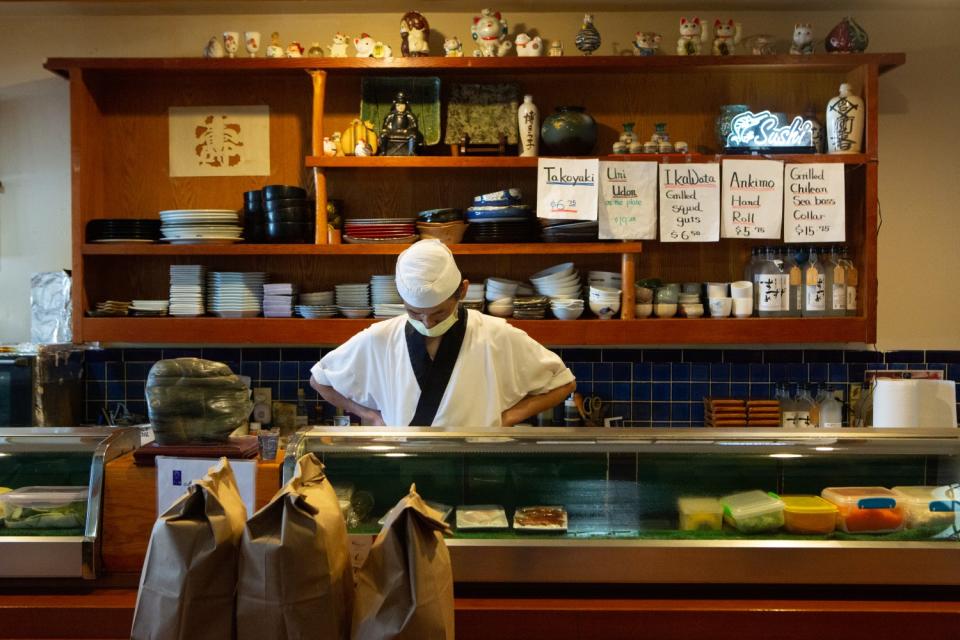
(51, 489)
(620, 489)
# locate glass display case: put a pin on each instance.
(614, 499)
(51, 488)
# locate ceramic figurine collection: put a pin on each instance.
(570, 130)
(490, 34)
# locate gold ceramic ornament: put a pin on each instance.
(358, 131)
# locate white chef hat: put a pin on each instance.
(427, 274)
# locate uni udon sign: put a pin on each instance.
(761, 132)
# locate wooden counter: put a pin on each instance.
(130, 509)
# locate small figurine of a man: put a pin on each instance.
(400, 133)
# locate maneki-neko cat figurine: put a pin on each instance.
(692, 36)
(489, 31)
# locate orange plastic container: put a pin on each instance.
(810, 515)
(866, 509)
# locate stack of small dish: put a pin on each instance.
(644, 297)
(530, 307)
(499, 217)
(235, 294)
(446, 225)
(150, 307)
(690, 304)
(200, 226)
(316, 305)
(385, 297)
(353, 300)
(380, 231)
(569, 230)
(474, 298)
(124, 230)
(187, 290)
(566, 308)
(604, 301)
(558, 281)
(110, 308)
(278, 300)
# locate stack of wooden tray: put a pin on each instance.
(739, 412)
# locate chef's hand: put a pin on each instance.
(373, 418)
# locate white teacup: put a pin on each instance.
(231, 43)
(717, 290)
(720, 307)
(743, 307)
(741, 289)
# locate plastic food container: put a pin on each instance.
(928, 506)
(486, 516)
(866, 509)
(44, 508)
(753, 511)
(700, 514)
(808, 515)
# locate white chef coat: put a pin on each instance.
(498, 366)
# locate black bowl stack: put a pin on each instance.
(123, 230)
(279, 214)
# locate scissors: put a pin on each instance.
(593, 410)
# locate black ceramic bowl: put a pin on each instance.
(291, 214)
(289, 232)
(253, 197)
(440, 215)
(276, 191)
(284, 203)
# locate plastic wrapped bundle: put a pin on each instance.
(195, 400)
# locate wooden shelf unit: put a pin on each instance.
(120, 169)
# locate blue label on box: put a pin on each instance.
(177, 477)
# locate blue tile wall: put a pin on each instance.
(646, 387)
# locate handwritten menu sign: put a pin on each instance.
(690, 202)
(567, 189)
(752, 199)
(814, 203)
(628, 200)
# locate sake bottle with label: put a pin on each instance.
(852, 279)
(773, 286)
(788, 414)
(816, 286)
(805, 415)
(837, 300)
(794, 303)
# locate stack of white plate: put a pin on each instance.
(316, 305)
(187, 289)
(383, 290)
(235, 294)
(200, 226)
(278, 300)
(560, 281)
(388, 310)
(150, 307)
(353, 300)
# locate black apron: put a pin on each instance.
(434, 375)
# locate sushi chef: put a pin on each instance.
(440, 364)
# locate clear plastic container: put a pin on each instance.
(809, 515)
(700, 514)
(753, 511)
(44, 508)
(866, 509)
(929, 506)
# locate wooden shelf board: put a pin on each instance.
(513, 162)
(649, 331)
(530, 248)
(568, 64)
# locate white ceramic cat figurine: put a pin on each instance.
(338, 49)
(802, 39)
(489, 31)
(527, 46)
(692, 36)
(453, 48)
(726, 36)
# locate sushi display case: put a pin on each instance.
(51, 492)
(663, 506)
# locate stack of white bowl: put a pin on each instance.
(318, 304)
(607, 279)
(385, 297)
(561, 281)
(566, 308)
(235, 294)
(604, 301)
(353, 300)
(499, 288)
(474, 298)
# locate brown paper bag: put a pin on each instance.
(190, 574)
(405, 587)
(296, 580)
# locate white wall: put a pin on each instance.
(919, 186)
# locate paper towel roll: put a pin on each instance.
(915, 404)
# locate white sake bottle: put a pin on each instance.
(528, 119)
(846, 114)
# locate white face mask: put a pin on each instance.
(436, 330)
